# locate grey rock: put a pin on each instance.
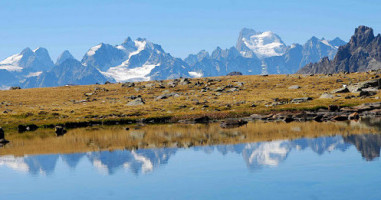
(340, 90)
(294, 87)
(326, 96)
(136, 102)
(128, 84)
(301, 100)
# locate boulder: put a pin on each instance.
(326, 96)
(173, 83)
(233, 90)
(128, 85)
(184, 81)
(167, 95)
(301, 100)
(234, 74)
(333, 108)
(24, 128)
(375, 83)
(341, 90)
(294, 87)
(136, 102)
(219, 89)
(367, 93)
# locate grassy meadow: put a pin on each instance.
(42, 106)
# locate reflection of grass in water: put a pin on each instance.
(55, 105)
(170, 135)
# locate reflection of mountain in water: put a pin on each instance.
(41, 164)
(256, 155)
(368, 145)
(144, 160)
(72, 160)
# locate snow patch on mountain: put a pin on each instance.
(11, 63)
(123, 74)
(196, 74)
(266, 44)
(92, 51)
(32, 74)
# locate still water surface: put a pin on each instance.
(335, 167)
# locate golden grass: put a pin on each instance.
(171, 135)
(43, 106)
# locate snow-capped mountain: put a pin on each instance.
(28, 60)
(139, 60)
(262, 44)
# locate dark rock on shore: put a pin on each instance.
(333, 113)
(24, 128)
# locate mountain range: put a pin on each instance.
(141, 60)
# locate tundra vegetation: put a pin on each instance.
(182, 99)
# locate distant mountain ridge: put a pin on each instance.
(261, 53)
(142, 60)
(362, 53)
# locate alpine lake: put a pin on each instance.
(277, 160)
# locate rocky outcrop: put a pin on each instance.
(362, 53)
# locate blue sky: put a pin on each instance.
(180, 26)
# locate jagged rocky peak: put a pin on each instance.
(362, 53)
(202, 54)
(192, 59)
(66, 55)
(362, 37)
